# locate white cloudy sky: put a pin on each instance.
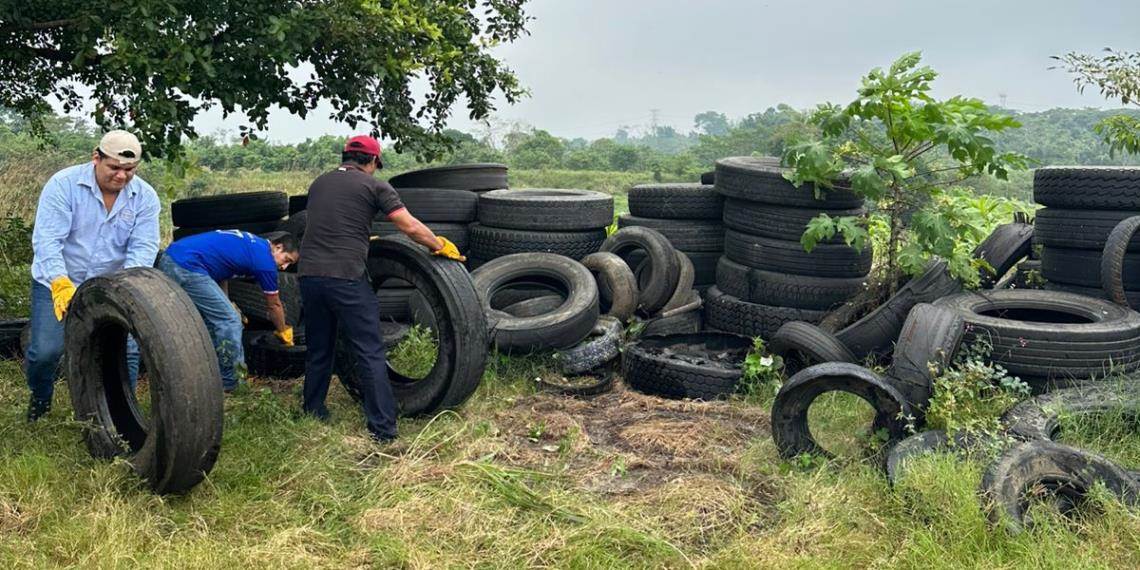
(595, 65)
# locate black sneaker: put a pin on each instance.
(37, 408)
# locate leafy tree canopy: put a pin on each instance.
(1117, 75)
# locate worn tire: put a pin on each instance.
(926, 345)
(802, 345)
(703, 366)
(687, 235)
(566, 326)
(1079, 229)
(1088, 187)
(1002, 249)
(684, 288)
(789, 256)
(676, 201)
(295, 225)
(394, 302)
(776, 222)
(731, 314)
(790, 429)
(937, 441)
(439, 204)
(1094, 292)
(471, 177)
(458, 233)
(256, 228)
(616, 284)
(686, 321)
(298, 203)
(489, 243)
(785, 290)
(603, 382)
(602, 346)
(762, 180)
(1113, 257)
(546, 209)
(1040, 417)
(176, 446)
(1082, 267)
(268, 358)
(229, 209)
(10, 331)
(663, 266)
(247, 295)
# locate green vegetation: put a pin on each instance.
(1117, 76)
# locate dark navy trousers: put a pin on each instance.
(350, 307)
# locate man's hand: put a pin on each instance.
(241, 315)
(62, 290)
(285, 336)
(448, 250)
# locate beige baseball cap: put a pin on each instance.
(121, 145)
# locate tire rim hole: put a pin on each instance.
(1035, 315)
(128, 416)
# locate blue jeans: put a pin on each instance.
(221, 319)
(41, 363)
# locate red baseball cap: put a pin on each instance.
(364, 144)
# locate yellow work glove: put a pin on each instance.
(448, 250)
(285, 336)
(241, 315)
(62, 290)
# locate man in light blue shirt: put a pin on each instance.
(92, 219)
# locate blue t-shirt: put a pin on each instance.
(226, 254)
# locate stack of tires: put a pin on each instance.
(689, 215)
(1082, 207)
(765, 277)
(254, 212)
(567, 222)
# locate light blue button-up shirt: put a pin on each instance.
(75, 236)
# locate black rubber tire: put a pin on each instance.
(663, 263)
(790, 429)
(256, 228)
(784, 290)
(489, 243)
(268, 358)
(687, 235)
(929, 339)
(802, 345)
(1040, 417)
(566, 326)
(295, 225)
(461, 334)
(766, 220)
(546, 209)
(602, 346)
(961, 444)
(1094, 292)
(762, 180)
(704, 366)
(1113, 258)
(685, 321)
(708, 178)
(458, 233)
(684, 288)
(229, 209)
(10, 331)
(616, 284)
(439, 204)
(731, 314)
(1088, 187)
(471, 177)
(247, 295)
(1002, 249)
(176, 446)
(676, 202)
(603, 382)
(535, 306)
(1078, 229)
(789, 256)
(704, 266)
(1083, 267)
(394, 303)
(298, 203)
(1106, 336)
(876, 333)
(1040, 466)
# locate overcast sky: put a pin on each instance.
(595, 65)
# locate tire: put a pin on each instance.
(489, 243)
(439, 204)
(790, 429)
(929, 339)
(937, 441)
(704, 366)
(1113, 257)
(566, 326)
(789, 256)
(267, 357)
(876, 333)
(229, 209)
(704, 266)
(687, 235)
(601, 347)
(684, 288)
(247, 295)
(784, 290)
(176, 446)
(10, 331)
(295, 225)
(534, 307)
(664, 267)
(708, 178)
(461, 334)
(1040, 417)
(775, 222)
(603, 382)
(298, 203)
(1087, 187)
(394, 303)
(1044, 466)
(471, 177)
(546, 209)
(729, 313)
(1082, 267)
(1002, 249)
(676, 202)
(1094, 292)
(802, 345)
(1079, 229)
(616, 284)
(256, 228)
(459, 234)
(762, 180)
(684, 322)
(1098, 336)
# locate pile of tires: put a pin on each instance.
(689, 216)
(663, 292)
(254, 212)
(765, 277)
(571, 223)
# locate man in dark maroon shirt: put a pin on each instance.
(334, 286)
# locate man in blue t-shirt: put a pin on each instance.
(202, 263)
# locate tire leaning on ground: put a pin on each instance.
(926, 345)
(546, 209)
(1002, 249)
(563, 327)
(663, 267)
(802, 344)
(790, 429)
(602, 346)
(1112, 260)
(176, 446)
(226, 209)
(704, 366)
(962, 443)
(616, 284)
(1040, 417)
(461, 332)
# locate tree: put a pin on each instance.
(1117, 75)
(903, 150)
(536, 149)
(153, 65)
(711, 123)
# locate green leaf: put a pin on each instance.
(820, 228)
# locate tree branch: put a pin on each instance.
(36, 26)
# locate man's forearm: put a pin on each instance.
(276, 312)
(423, 235)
